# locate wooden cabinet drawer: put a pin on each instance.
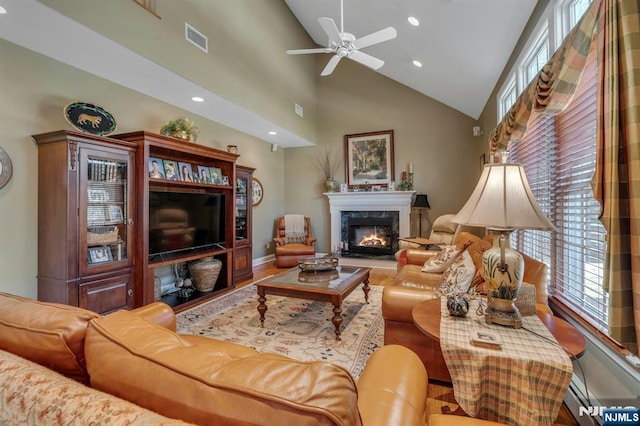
(107, 295)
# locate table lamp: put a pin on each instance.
(420, 202)
(502, 202)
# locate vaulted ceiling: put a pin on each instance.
(463, 45)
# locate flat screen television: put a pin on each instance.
(181, 221)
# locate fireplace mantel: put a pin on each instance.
(399, 201)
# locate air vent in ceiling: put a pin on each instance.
(196, 37)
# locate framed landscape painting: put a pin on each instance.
(369, 158)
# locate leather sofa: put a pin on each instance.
(412, 286)
(130, 367)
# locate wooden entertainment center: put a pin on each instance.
(94, 218)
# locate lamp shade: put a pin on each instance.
(502, 199)
(421, 201)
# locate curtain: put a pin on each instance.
(616, 182)
(553, 88)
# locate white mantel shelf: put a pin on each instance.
(399, 201)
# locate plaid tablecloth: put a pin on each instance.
(523, 382)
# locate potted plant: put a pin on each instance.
(181, 128)
(327, 163)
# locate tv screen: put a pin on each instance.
(185, 220)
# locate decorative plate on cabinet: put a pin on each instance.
(5, 168)
(90, 118)
(256, 192)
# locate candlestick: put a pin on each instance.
(411, 167)
(404, 175)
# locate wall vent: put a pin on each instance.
(196, 37)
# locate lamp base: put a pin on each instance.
(503, 315)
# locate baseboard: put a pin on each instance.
(262, 260)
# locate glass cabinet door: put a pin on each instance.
(241, 209)
(106, 204)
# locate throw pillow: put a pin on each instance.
(442, 260)
(457, 278)
(294, 237)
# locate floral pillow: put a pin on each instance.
(458, 276)
(441, 261)
(294, 237)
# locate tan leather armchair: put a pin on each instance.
(288, 253)
(443, 231)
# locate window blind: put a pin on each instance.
(558, 155)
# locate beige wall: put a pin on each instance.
(354, 99)
(34, 91)
(246, 62)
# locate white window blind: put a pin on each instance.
(558, 155)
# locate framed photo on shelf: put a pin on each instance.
(186, 173)
(115, 213)
(225, 180)
(97, 195)
(156, 166)
(204, 175)
(216, 175)
(100, 255)
(369, 158)
(171, 170)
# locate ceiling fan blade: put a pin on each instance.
(304, 51)
(331, 29)
(366, 60)
(333, 62)
(375, 38)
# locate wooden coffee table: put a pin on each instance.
(327, 286)
(426, 316)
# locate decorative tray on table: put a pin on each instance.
(315, 264)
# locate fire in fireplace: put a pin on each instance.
(371, 235)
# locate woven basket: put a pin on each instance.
(204, 273)
(102, 235)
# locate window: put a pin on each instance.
(507, 97)
(538, 56)
(558, 154)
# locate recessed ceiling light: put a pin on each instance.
(417, 64)
(197, 99)
(273, 133)
(2, 10)
(413, 21)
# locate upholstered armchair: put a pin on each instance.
(443, 231)
(295, 246)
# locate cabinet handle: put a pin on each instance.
(129, 292)
(130, 221)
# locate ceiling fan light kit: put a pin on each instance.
(346, 45)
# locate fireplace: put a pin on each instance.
(372, 206)
(370, 236)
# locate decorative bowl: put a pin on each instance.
(312, 264)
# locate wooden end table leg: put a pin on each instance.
(262, 307)
(337, 319)
(366, 288)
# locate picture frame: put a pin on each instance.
(225, 180)
(97, 196)
(171, 170)
(344, 187)
(156, 168)
(369, 158)
(216, 175)
(100, 255)
(115, 213)
(204, 174)
(185, 171)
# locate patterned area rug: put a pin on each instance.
(297, 328)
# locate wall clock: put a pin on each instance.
(256, 192)
(5, 168)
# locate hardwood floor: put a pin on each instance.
(440, 398)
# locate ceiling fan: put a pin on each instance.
(343, 44)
